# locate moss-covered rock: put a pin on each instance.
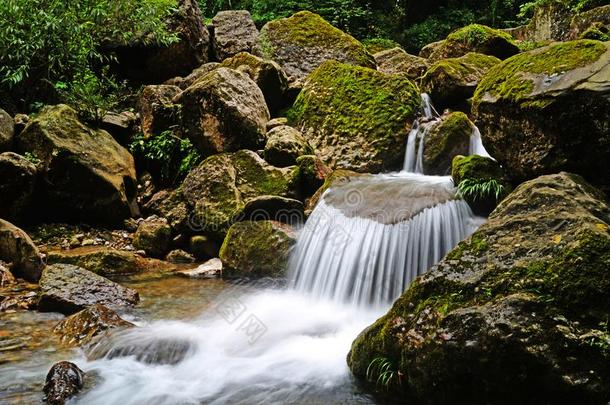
(356, 118)
(87, 175)
(376, 45)
(257, 249)
(268, 75)
(234, 32)
(397, 61)
(284, 145)
(597, 32)
(304, 41)
(475, 38)
(170, 204)
(100, 260)
(543, 111)
(157, 111)
(219, 188)
(452, 81)
(224, 111)
(449, 137)
(516, 313)
(154, 236)
(597, 20)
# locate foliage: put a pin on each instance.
(383, 373)
(481, 190)
(168, 158)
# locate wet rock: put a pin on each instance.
(257, 249)
(210, 269)
(357, 118)
(396, 61)
(284, 145)
(63, 381)
(179, 256)
(7, 131)
(17, 184)
(154, 236)
(304, 41)
(274, 208)
(100, 260)
(224, 111)
(336, 177)
(450, 82)
(449, 137)
(541, 111)
(158, 113)
(234, 32)
(83, 327)
(268, 75)
(513, 312)
(17, 248)
(68, 289)
(87, 175)
(19, 302)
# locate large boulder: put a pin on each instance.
(284, 145)
(87, 175)
(150, 63)
(82, 327)
(219, 188)
(170, 204)
(234, 32)
(304, 41)
(452, 81)
(223, 112)
(100, 260)
(257, 249)
(192, 77)
(17, 184)
(546, 110)
(17, 248)
(475, 38)
(268, 75)
(158, 113)
(515, 314)
(63, 381)
(7, 131)
(397, 61)
(68, 289)
(356, 118)
(154, 236)
(444, 140)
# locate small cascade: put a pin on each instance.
(476, 144)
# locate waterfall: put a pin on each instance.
(476, 144)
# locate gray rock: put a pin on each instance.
(284, 145)
(234, 32)
(63, 381)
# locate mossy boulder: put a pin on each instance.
(17, 185)
(397, 61)
(257, 249)
(452, 81)
(87, 175)
(485, 183)
(284, 145)
(170, 204)
(447, 138)
(158, 113)
(7, 131)
(268, 75)
(219, 188)
(356, 118)
(546, 110)
(516, 313)
(475, 38)
(304, 41)
(234, 32)
(100, 260)
(154, 236)
(595, 21)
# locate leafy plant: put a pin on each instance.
(479, 190)
(383, 373)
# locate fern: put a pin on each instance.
(478, 190)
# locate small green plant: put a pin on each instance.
(32, 158)
(383, 373)
(479, 190)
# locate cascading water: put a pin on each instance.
(366, 240)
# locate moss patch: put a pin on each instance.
(476, 38)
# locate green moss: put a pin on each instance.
(475, 245)
(597, 32)
(476, 34)
(255, 179)
(463, 66)
(475, 167)
(511, 80)
(452, 131)
(375, 45)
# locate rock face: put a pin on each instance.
(234, 32)
(82, 327)
(356, 118)
(158, 113)
(545, 110)
(475, 38)
(219, 188)
(7, 131)
(445, 140)
(64, 380)
(154, 236)
(396, 61)
(304, 41)
(452, 81)
(257, 249)
(268, 75)
(99, 260)
(284, 145)
(595, 19)
(68, 289)
(155, 64)
(223, 112)
(17, 248)
(17, 184)
(516, 311)
(87, 175)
